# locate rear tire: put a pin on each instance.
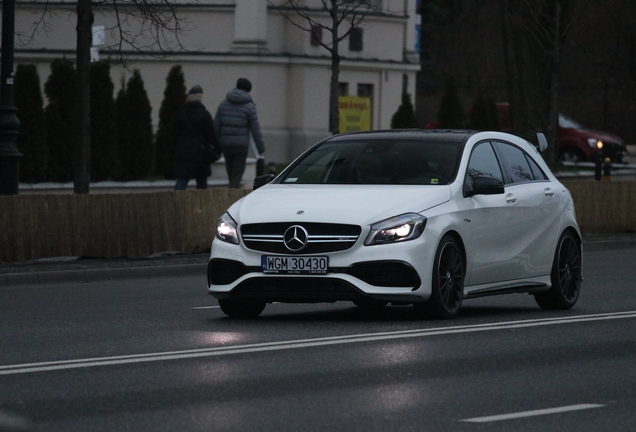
(447, 288)
(244, 309)
(566, 275)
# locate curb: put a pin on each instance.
(608, 245)
(100, 275)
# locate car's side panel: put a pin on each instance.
(538, 218)
(489, 238)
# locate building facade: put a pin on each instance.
(222, 40)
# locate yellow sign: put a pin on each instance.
(355, 113)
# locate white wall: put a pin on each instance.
(290, 77)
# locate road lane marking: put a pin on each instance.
(302, 343)
(533, 413)
(204, 307)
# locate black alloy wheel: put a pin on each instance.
(244, 309)
(447, 290)
(566, 275)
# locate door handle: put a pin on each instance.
(548, 192)
(510, 199)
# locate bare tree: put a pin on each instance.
(618, 71)
(534, 35)
(81, 177)
(157, 25)
(338, 18)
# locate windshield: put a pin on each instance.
(568, 123)
(377, 162)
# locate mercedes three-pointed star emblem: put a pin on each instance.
(295, 238)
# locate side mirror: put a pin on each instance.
(483, 185)
(262, 180)
(543, 142)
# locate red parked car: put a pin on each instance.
(574, 141)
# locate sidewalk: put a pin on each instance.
(217, 179)
(87, 270)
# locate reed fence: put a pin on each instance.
(135, 225)
(110, 225)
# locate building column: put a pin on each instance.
(250, 26)
(414, 19)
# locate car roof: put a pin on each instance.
(448, 135)
(438, 135)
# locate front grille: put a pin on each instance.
(321, 237)
(294, 289)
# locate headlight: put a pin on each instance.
(399, 228)
(226, 229)
(593, 142)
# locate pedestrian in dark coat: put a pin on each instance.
(236, 119)
(194, 130)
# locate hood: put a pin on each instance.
(238, 96)
(600, 135)
(350, 204)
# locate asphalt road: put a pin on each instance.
(158, 355)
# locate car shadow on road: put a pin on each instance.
(388, 313)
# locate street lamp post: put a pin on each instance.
(9, 123)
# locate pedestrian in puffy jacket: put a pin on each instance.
(235, 119)
(194, 130)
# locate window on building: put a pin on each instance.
(355, 39)
(365, 90)
(373, 3)
(344, 89)
(316, 35)
(357, 3)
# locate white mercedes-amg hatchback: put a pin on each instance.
(422, 217)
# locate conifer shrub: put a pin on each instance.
(404, 117)
(451, 113)
(60, 89)
(104, 154)
(31, 139)
(483, 115)
(174, 97)
(134, 126)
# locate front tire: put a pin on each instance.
(243, 309)
(566, 275)
(447, 288)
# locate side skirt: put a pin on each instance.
(531, 286)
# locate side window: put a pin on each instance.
(515, 163)
(536, 171)
(483, 162)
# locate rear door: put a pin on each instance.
(534, 211)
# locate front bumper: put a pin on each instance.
(397, 272)
(384, 280)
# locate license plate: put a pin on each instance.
(294, 264)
